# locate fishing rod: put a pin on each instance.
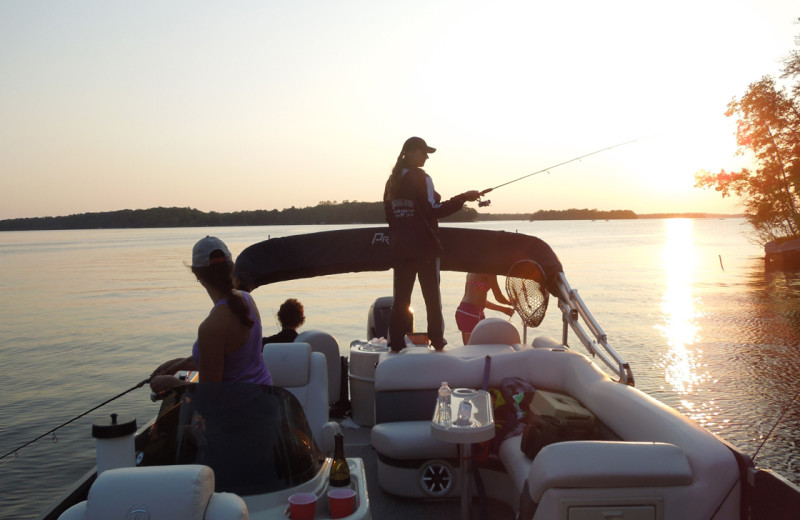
(15, 450)
(484, 192)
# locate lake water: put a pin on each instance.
(88, 314)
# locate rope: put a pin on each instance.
(55, 438)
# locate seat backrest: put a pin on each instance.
(182, 492)
(323, 342)
(304, 373)
(494, 331)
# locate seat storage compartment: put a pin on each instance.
(638, 509)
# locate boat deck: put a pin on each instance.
(384, 506)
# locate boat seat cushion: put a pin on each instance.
(184, 492)
(288, 363)
(491, 331)
(326, 344)
(407, 440)
(515, 462)
(304, 373)
(607, 464)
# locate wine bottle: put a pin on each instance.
(340, 472)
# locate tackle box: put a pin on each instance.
(570, 413)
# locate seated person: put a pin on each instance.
(228, 346)
(290, 316)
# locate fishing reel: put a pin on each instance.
(484, 203)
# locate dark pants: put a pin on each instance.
(405, 273)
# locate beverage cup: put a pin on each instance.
(302, 506)
(342, 502)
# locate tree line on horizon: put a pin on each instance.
(161, 217)
(326, 212)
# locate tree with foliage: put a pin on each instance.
(768, 126)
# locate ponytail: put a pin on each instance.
(396, 171)
(220, 276)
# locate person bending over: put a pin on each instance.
(476, 299)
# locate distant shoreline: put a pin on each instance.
(323, 213)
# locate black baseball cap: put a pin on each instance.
(415, 143)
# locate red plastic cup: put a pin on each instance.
(302, 506)
(342, 502)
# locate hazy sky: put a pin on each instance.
(226, 106)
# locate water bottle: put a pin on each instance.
(443, 413)
(464, 413)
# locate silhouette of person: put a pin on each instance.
(290, 316)
(412, 209)
(228, 346)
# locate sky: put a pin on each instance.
(245, 105)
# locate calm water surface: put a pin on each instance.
(88, 314)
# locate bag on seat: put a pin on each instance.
(539, 431)
(553, 418)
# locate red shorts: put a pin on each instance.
(467, 316)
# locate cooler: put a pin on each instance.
(363, 360)
(566, 409)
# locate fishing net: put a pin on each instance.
(526, 289)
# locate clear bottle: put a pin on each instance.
(464, 413)
(340, 471)
(444, 415)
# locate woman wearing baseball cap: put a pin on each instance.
(413, 209)
(228, 346)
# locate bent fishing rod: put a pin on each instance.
(15, 450)
(484, 192)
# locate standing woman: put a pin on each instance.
(228, 346)
(412, 209)
(476, 299)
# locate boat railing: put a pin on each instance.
(576, 316)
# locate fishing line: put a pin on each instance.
(484, 192)
(788, 407)
(55, 439)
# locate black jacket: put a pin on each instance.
(284, 336)
(413, 209)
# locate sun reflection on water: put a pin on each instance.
(683, 365)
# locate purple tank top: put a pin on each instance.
(244, 364)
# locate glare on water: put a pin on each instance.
(682, 361)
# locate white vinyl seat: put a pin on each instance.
(184, 492)
(494, 331)
(325, 343)
(304, 373)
